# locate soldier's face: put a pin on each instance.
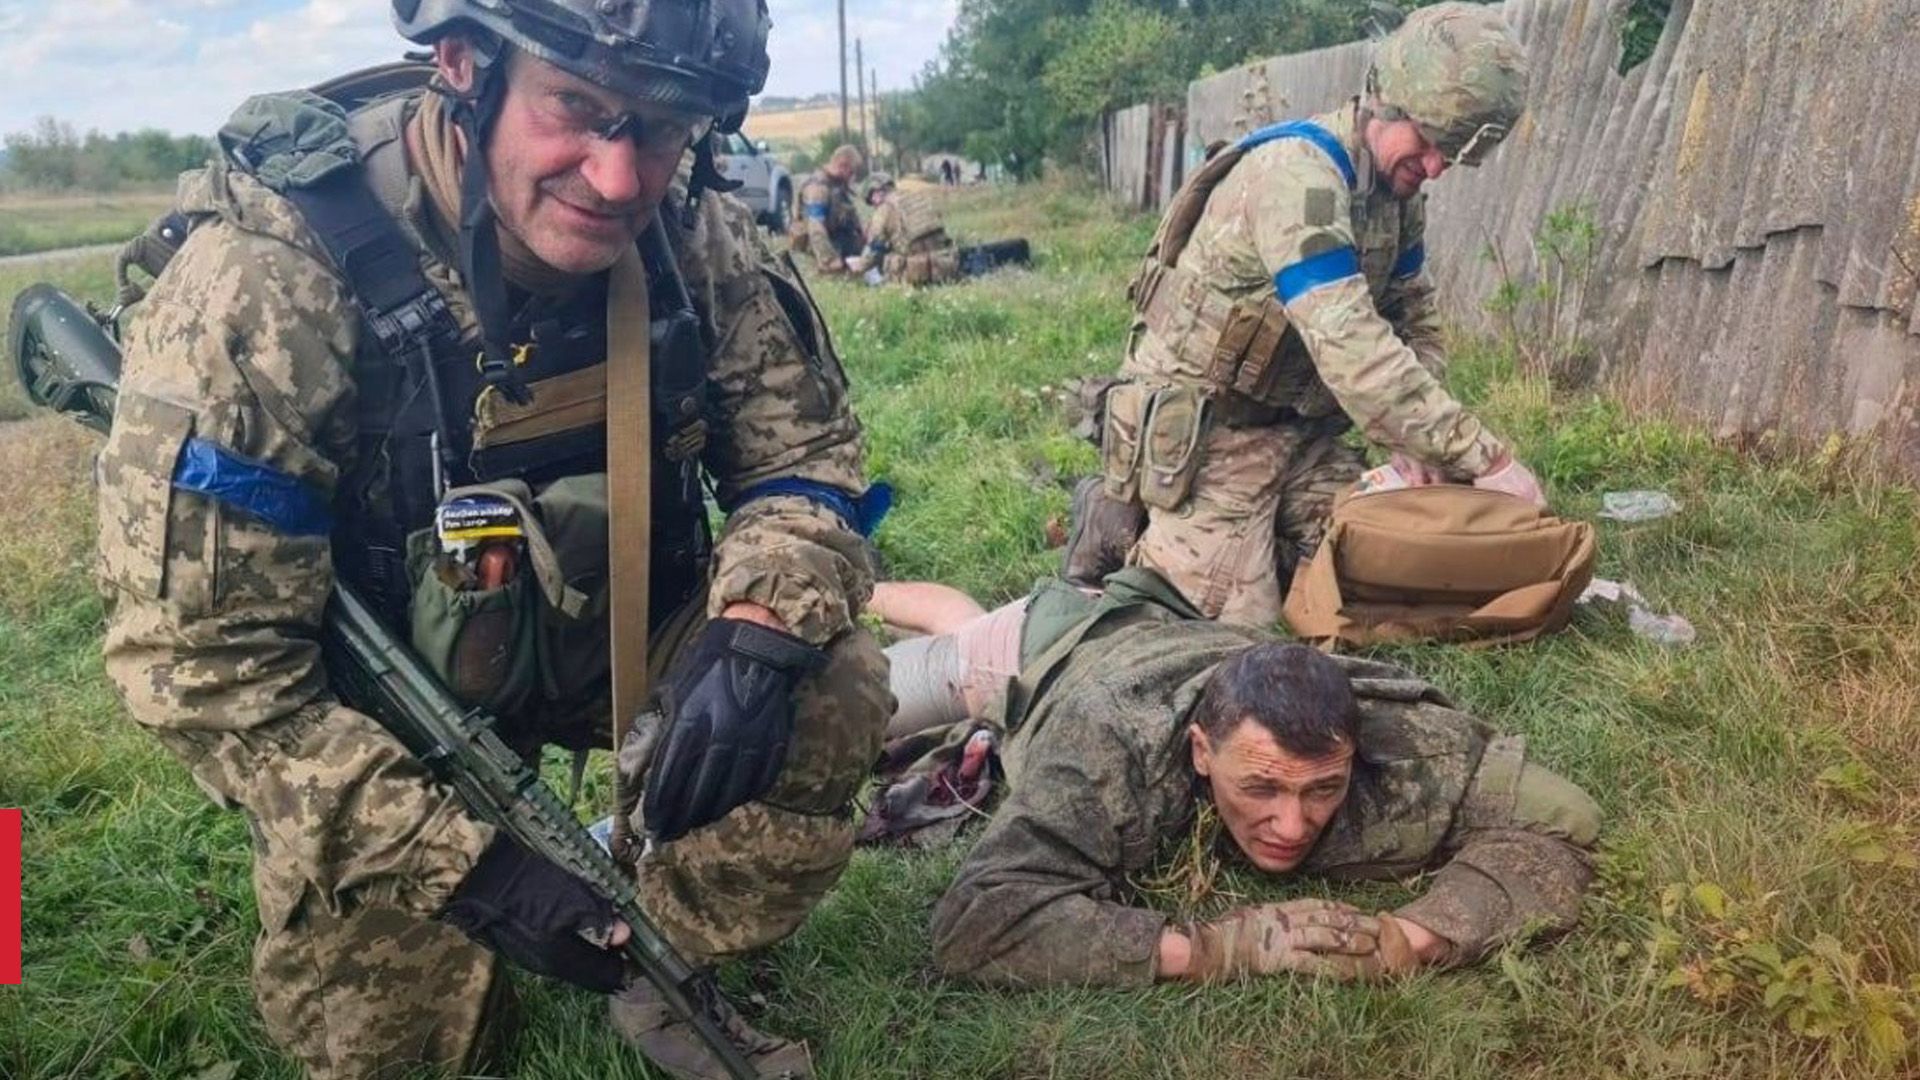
(576, 197)
(1403, 156)
(1273, 803)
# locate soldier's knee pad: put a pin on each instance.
(839, 716)
(1547, 802)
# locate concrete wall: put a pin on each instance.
(1757, 184)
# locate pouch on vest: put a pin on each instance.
(1170, 451)
(1122, 428)
(480, 630)
(1444, 562)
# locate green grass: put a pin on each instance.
(1759, 786)
(31, 223)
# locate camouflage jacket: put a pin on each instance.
(1102, 784)
(1321, 234)
(247, 342)
(908, 223)
(827, 225)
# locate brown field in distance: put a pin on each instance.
(802, 126)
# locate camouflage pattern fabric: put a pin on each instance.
(826, 224)
(1102, 784)
(1367, 344)
(909, 224)
(247, 342)
(1260, 502)
(1452, 68)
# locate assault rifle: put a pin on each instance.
(68, 359)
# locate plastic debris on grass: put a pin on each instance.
(1668, 629)
(1633, 506)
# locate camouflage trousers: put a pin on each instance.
(1258, 504)
(380, 991)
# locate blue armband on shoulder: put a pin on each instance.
(816, 211)
(1297, 279)
(261, 491)
(1410, 261)
(862, 513)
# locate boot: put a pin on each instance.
(1104, 529)
(642, 1018)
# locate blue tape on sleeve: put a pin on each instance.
(288, 505)
(1410, 261)
(861, 513)
(816, 211)
(1297, 279)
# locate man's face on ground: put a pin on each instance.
(1403, 156)
(575, 198)
(1273, 803)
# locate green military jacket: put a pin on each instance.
(248, 341)
(1101, 782)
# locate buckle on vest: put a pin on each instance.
(423, 320)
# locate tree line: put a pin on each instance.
(53, 157)
(1019, 82)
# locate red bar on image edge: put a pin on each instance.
(9, 898)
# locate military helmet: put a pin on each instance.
(704, 57)
(1457, 71)
(880, 181)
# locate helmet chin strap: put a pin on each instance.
(480, 262)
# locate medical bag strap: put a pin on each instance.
(629, 506)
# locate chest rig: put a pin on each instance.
(428, 420)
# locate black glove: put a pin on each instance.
(537, 915)
(729, 709)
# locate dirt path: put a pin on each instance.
(57, 255)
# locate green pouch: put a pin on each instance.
(573, 639)
(1127, 406)
(479, 641)
(1170, 449)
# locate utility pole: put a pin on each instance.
(860, 76)
(845, 131)
(873, 87)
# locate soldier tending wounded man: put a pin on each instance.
(1126, 718)
(288, 415)
(1283, 301)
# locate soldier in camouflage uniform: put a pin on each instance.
(1283, 301)
(1131, 713)
(907, 239)
(827, 224)
(262, 433)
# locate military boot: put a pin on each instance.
(1104, 529)
(642, 1018)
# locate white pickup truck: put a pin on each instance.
(764, 183)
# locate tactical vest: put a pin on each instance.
(1236, 343)
(928, 256)
(427, 421)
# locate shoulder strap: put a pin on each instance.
(1191, 200)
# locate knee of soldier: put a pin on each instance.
(1545, 801)
(839, 716)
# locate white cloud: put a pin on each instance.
(182, 65)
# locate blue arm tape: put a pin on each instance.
(1297, 279)
(1313, 133)
(817, 211)
(1410, 261)
(288, 505)
(862, 514)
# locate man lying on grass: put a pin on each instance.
(1128, 720)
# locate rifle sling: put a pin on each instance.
(629, 502)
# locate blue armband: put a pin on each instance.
(861, 513)
(1297, 279)
(261, 491)
(1410, 261)
(816, 211)
(1311, 132)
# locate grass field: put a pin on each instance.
(1754, 914)
(30, 223)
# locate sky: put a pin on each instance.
(182, 65)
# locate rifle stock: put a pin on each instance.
(67, 359)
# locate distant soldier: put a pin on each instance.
(1283, 301)
(827, 225)
(907, 239)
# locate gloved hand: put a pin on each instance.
(1415, 472)
(729, 709)
(1510, 476)
(538, 916)
(1393, 954)
(1312, 936)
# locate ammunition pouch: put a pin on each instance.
(1151, 443)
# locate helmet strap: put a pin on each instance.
(706, 177)
(480, 262)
